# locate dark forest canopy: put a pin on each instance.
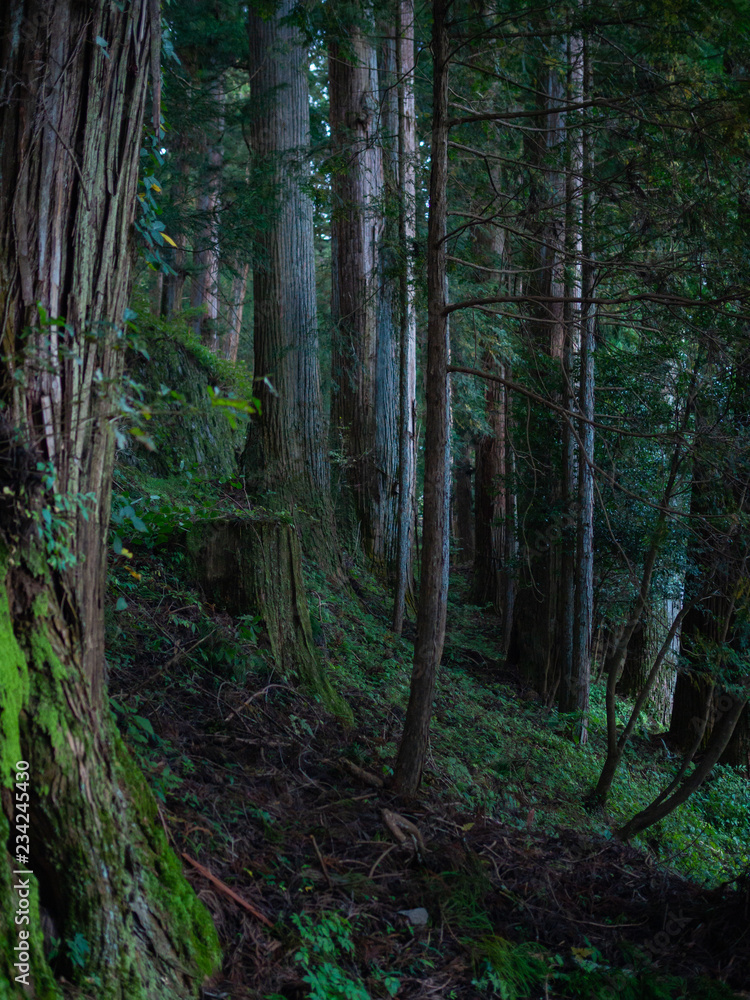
(377, 373)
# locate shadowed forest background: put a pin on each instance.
(374, 467)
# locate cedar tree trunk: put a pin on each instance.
(72, 95)
(433, 593)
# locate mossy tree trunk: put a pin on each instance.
(72, 95)
(256, 566)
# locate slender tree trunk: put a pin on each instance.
(718, 742)
(433, 594)
(407, 231)
(70, 136)
(584, 570)
(387, 355)
(572, 313)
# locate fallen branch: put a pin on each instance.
(358, 772)
(397, 824)
(223, 888)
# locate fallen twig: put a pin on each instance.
(323, 866)
(222, 887)
(358, 772)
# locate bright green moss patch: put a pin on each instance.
(14, 688)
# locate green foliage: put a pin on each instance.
(326, 945)
(55, 520)
(507, 970)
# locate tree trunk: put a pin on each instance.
(173, 285)
(714, 632)
(583, 609)
(534, 641)
(643, 648)
(286, 449)
(204, 289)
(255, 566)
(362, 352)
(389, 306)
(407, 231)
(231, 340)
(73, 92)
(491, 494)
(718, 742)
(433, 592)
(463, 505)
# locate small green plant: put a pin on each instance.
(78, 950)
(507, 970)
(55, 520)
(327, 941)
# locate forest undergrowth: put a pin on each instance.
(495, 882)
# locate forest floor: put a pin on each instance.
(307, 867)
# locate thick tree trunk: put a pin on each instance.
(362, 293)
(286, 449)
(433, 593)
(72, 92)
(714, 632)
(256, 567)
(407, 231)
(643, 648)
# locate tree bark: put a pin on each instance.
(286, 449)
(407, 231)
(72, 95)
(363, 365)
(433, 593)
(534, 640)
(583, 610)
(463, 504)
(256, 567)
(714, 632)
(204, 286)
(231, 340)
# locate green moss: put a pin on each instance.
(46, 686)
(44, 985)
(167, 889)
(14, 687)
